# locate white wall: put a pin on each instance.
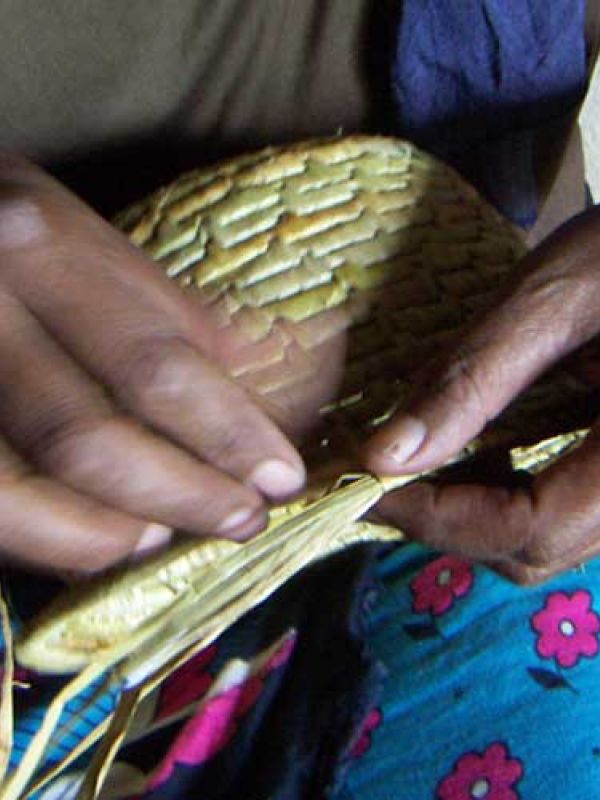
(590, 126)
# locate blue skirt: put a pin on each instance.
(491, 691)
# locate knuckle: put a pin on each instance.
(76, 450)
(537, 555)
(226, 441)
(158, 376)
(462, 380)
(534, 576)
(542, 550)
(23, 216)
(554, 540)
(525, 575)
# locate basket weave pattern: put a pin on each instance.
(369, 225)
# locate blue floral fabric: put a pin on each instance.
(492, 690)
(268, 710)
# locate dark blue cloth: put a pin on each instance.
(482, 75)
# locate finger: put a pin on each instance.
(528, 575)
(134, 332)
(63, 424)
(478, 522)
(566, 499)
(50, 526)
(549, 311)
(549, 527)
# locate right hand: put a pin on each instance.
(115, 425)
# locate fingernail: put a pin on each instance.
(409, 435)
(276, 478)
(235, 520)
(155, 537)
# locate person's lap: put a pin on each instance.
(492, 690)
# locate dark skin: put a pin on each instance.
(119, 422)
(527, 534)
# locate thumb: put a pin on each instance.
(551, 309)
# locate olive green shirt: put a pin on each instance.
(100, 87)
(117, 96)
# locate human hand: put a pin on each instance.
(116, 425)
(527, 534)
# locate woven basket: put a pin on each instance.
(368, 225)
(370, 230)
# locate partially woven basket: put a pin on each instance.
(371, 229)
(370, 225)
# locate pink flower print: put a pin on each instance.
(216, 720)
(204, 735)
(568, 628)
(363, 742)
(439, 583)
(489, 776)
(188, 683)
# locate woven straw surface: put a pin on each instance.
(367, 224)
